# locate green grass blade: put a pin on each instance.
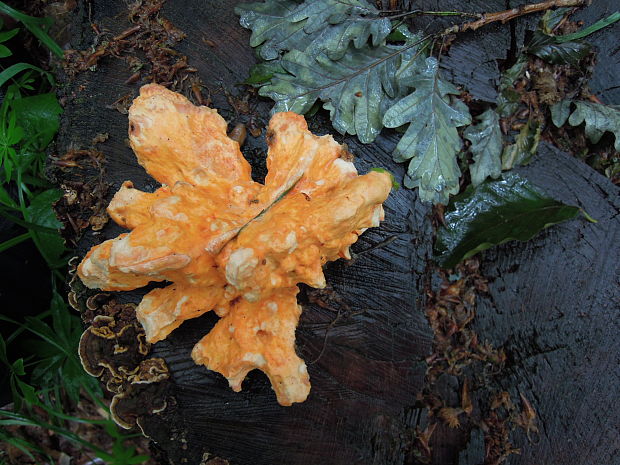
(34, 26)
(15, 69)
(590, 29)
(14, 241)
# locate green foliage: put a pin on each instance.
(493, 213)
(37, 26)
(27, 126)
(48, 372)
(614, 17)
(486, 147)
(314, 27)
(524, 147)
(54, 371)
(551, 19)
(370, 73)
(431, 140)
(554, 51)
(4, 36)
(508, 98)
(598, 118)
(356, 90)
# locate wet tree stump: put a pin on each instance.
(552, 303)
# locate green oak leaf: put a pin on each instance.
(356, 89)
(431, 140)
(313, 27)
(599, 119)
(342, 22)
(560, 112)
(486, 147)
(272, 31)
(494, 212)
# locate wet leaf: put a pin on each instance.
(272, 32)
(40, 212)
(356, 89)
(38, 116)
(327, 26)
(486, 147)
(431, 140)
(552, 18)
(493, 213)
(262, 73)
(508, 98)
(549, 49)
(560, 112)
(524, 148)
(343, 21)
(599, 119)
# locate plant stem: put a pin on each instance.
(508, 15)
(433, 13)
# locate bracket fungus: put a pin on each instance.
(227, 243)
(114, 349)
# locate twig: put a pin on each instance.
(432, 13)
(508, 15)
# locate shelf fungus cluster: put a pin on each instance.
(227, 243)
(114, 349)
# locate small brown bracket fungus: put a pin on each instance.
(113, 348)
(227, 243)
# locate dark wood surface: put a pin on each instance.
(552, 304)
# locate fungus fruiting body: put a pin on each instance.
(227, 243)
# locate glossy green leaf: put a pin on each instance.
(356, 89)
(40, 212)
(15, 69)
(431, 140)
(7, 35)
(38, 115)
(548, 49)
(524, 147)
(262, 73)
(5, 52)
(486, 147)
(598, 118)
(507, 209)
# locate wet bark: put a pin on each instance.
(552, 302)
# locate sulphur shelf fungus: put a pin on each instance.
(227, 243)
